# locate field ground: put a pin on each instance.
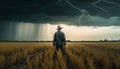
(77, 55)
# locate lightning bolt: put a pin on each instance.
(96, 2)
(83, 11)
(111, 3)
(73, 6)
(81, 17)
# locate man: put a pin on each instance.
(59, 40)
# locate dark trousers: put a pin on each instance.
(60, 48)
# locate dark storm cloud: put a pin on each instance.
(53, 11)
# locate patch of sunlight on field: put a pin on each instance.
(42, 55)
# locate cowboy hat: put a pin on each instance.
(59, 27)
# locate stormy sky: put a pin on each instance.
(17, 15)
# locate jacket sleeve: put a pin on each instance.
(54, 39)
(64, 39)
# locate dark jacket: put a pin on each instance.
(59, 39)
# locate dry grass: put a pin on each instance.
(42, 55)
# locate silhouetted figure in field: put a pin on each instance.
(59, 40)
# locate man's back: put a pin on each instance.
(59, 39)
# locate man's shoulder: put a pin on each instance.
(59, 32)
(56, 32)
(62, 32)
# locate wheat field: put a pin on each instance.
(77, 55)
